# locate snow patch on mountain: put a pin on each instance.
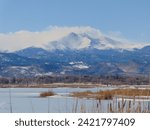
(79, 65)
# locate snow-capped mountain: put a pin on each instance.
(78, 53)
(86, 40)
(60, 38)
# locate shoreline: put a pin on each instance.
(52, 85)
(70, 85)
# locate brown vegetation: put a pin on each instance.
(46, 94)
(117, 105)
(109, 94)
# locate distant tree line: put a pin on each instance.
(107, 80)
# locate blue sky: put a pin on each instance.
(128, 18)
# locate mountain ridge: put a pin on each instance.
(31, 62)
(77, 54)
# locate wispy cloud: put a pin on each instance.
(21, 39)
(125, 43)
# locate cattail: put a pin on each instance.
(10, 101)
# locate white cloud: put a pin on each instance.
(125, 43)
(21, 39)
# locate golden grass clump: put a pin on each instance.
(127, 92)
(109, 94)
(86, 94)
(46, 94)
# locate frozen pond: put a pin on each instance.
(27, 100)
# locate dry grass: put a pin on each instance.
(89, 94)
(115, 104)
(46, 94)
(130, 92)
(86, 94)
(109, 94)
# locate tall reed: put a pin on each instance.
(10, 101)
